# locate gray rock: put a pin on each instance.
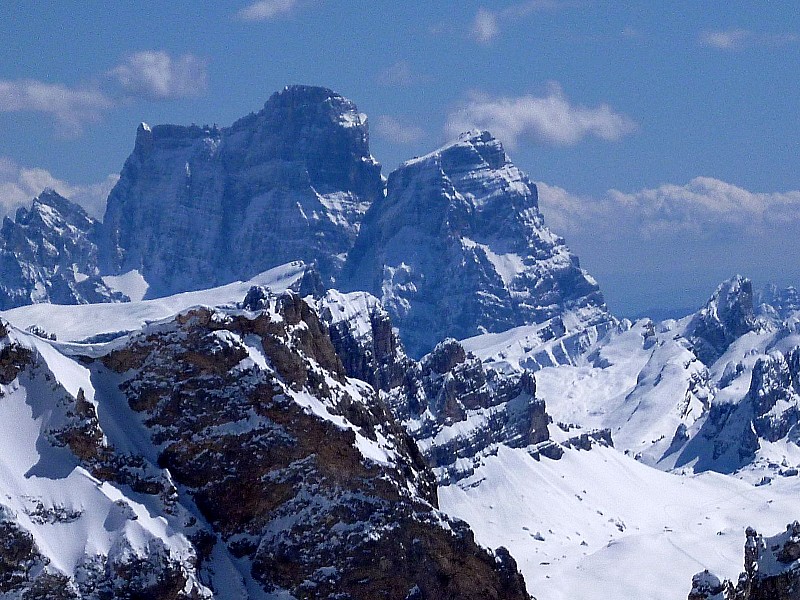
(453, 406)
(727, 315)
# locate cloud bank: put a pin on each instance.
(545, 120)
(669, 246)
(70, 108)
(703, 208)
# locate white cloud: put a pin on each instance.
(266, 10)
(736, 39)
(393, 130)
(399, 74)
(725, 40)
(485, 27)
(486, 24)
(19, 185)
(549, 119)
(155, 75)
(71, 108)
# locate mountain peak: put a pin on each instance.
(472, 147)
(458, 247)
(201, 206)
(312, 106)
(48, 254)
(727, 315)
(732, 298)
(52, 199)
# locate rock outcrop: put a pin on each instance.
(771, 570)
(768, 412)
(728, 315)
(66, 533)
(783, 301)
(456, 408)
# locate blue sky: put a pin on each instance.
(664, 135)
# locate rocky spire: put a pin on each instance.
(727, 315)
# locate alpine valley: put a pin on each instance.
(272, 373)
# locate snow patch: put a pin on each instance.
(132, 284)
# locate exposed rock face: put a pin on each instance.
(49, 254)
(18, 554)
(728, 315)
(456, 409)
(466, 411)
(770, 411)
(365, 339)
(775, 394)
(771, 570)
(321, 491)
(706, 586)
(201, 206)
(458, 247)
(454, 248)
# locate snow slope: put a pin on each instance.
(83, 321)
(598, 524)
(77, 522)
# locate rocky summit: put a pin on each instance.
(458, 247)
(200, 206)
(771, 570)
(453, 246)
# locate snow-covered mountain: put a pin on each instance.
(713, 391)
(552, 492)
(274, 437)
(197, 206)
(457, 410)
(48, 253)
(458, 247)
(536, 459)
(220, 452)
(454, 246)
